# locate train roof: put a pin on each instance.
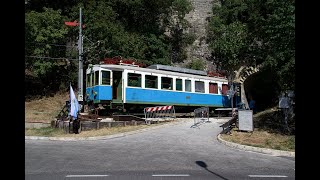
(177, 69)
(165, 72)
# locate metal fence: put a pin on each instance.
(201, 115)
(159, 113)
(287, 104)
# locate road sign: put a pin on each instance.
(245, 120)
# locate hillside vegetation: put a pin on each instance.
(151, 32)
(240, 33)
(45, 109)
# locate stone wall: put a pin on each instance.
(198, 18)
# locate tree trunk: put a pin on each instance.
(244, 97)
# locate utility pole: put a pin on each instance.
(80, 48)
(80, 72)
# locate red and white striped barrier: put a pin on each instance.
(151, 109)
(158, 113)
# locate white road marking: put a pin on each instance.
(267, 176)
(87, 175)
(159, 175)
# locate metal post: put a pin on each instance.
(232, 100)
(80, 72)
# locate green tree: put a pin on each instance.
(134, 29)
(277, 34)
(196, 64)
(246, 33)
(145, 30)
(177, 25)
(64, 6)
(43, 32)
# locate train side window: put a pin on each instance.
(199, 86)
(166, 83)
(151, 81)
(105, 77)
(89, 80)
(224, 89)
(96, 78)
(179, 84)
(134, 80)
(188, 85)
(213, 88)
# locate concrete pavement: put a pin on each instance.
(193, 153)
(180, 120)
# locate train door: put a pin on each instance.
(89, 85)
(117, 87)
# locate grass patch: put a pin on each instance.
(56, 132)
(45, 109)
(45, 131)
(269, 132)
(262, 139)
(272, 120)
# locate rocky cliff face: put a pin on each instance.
(198, 19)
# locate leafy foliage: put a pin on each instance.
(146, 30)
(44, 31)
(137, 29)
(230, 44)
(196, 64)
(50, 32)
(249, 32)
(177, 24)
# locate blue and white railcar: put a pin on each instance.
(121, 85)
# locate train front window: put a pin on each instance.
(151, 81)
(188, 85)
(89, 80)
(96, 78)
(199, 86)
(166, 83)
(179, 84)
(105, 77)
(134, 80)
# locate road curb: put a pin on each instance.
(272, 152)
(102, 137)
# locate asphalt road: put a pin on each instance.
(171, 152)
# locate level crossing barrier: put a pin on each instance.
(159, 113)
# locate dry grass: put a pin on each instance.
(262, 139)
(55, 132)
(45, 109)
(268, 133)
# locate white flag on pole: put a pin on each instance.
(74, 104)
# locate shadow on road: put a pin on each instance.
(205, 166)
(197, 125)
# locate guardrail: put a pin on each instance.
(201, 115)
